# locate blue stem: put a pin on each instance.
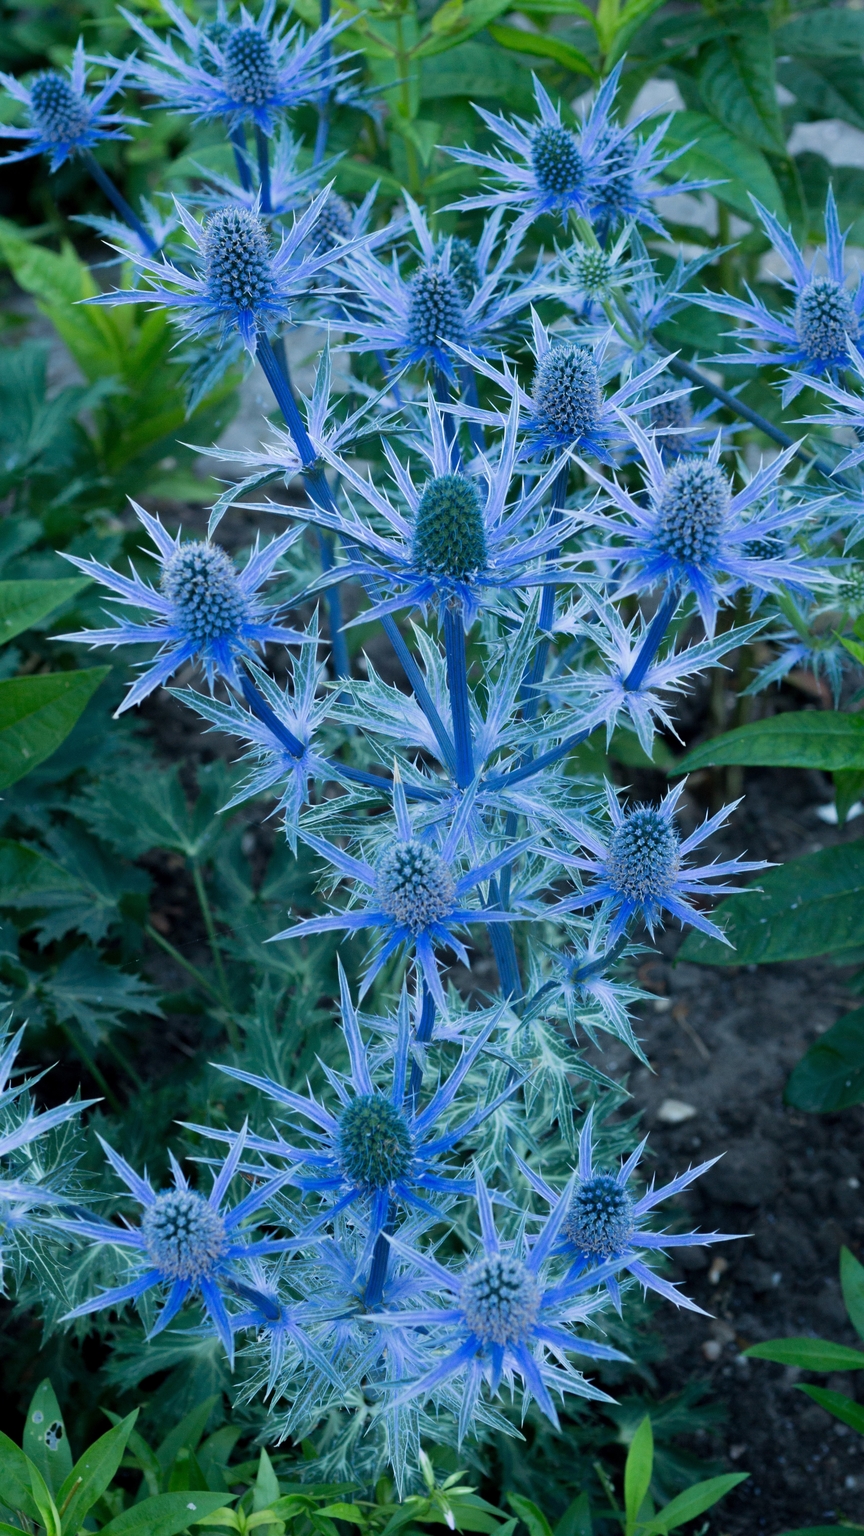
(534, 677)
(338, 643)
(237, 136)
(457, 683)
(262, 145)
(652, 641)
(119, 203)
(504, 950)
(323, 128)
(423, 1036)
(378, 1269)
(320, 492)
(469, 389)
(443, 396)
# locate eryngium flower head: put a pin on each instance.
(641, 871)
(376, 1149)
(449, 533)
(203, 609)
(244, 71)
(693, 531)
(501, 1320)
(606, 1222)
(185, 1243)
(416, 893)
(64, 120)
(817, 332)
(237, 281)
(436, 310)
(566, 392)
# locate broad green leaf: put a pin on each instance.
(576, 1519)
(633, 16)
(15, 1488)
(166, 1514)
(712, 151)
(823, 33)
(830, 1074)
(150, 810)
(350, 1512)
(529, 1513)
(808, 1354)
(544, 46)
(93, 1474)
(455, 21)
(826, 87)
(45, 1440)
(24, 603)
(50, 277)
(43, 1499)
(478, 70)
(37, 714)
(843, 1408)
(800, 739)
(811, 906)
(848, 787)
(692, 1503)
(267, 1489)
(852, 1282)
(637, 1472)
(738, 84)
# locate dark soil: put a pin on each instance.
(723, 1042)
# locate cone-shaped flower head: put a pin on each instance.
(449, 532)
(644, 856)
(600, 1219)
(414, 885)
(184, 1237)
(500, 1299)
(566, 393)
(64, 120)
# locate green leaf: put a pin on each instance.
(808, 1354)
(166, 1514)
(576, 1519)
(150, 810)
(852, 1282)
(185, 1435)
(831, 741)
(824, 33)
(530, 1515)
(637, 1472)
(44, 1502)
(830, 1074)
(544, 46)
(712, 151)
(811, 906)
(692, 1503)
(843, 1408)
(477, 70)
(24, 603)
(738, 84)
(91, 1475)
(848, 788)
(455, 21)
(37, 714)
(826, 87)
(15, 1487)
(45, 1440)
(267, 1489)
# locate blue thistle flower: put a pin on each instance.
(246, 71)
(814, 334)
(606, 1222)
(630, 165)
(463, 537)
(237, 281)
(640, 869)
(692, 533)
(416, 893)
(421, 317)
(185, 1244)
(378, 1151)
(203, 609)
(500, 1320)
(64, 120)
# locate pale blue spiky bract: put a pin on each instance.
(644, 855)
(415, 886)
(449, 534)
(464, 268)
(375, 1143)
(566, 392)
(599, 1221)
(825, 320)
(500, 1299)
(185, 1237)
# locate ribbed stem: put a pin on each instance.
(338, 643)
(652, 641)
(534, 676)
(504, 950)
(237, 136)
(425, 1027)
(119, 203)
(262, 146)
(457, 684)
(444, 397)
(378, 1270)
(469, 390)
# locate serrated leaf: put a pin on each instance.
(94, 995)
(92, 1474)
(832, 88)
(714, 152)
(37, 714)
(166, 1514)
(45, 1440)
(150, 810)
(801, 739)
(738, 85)
(811, 906)
(808, 1354)
(24, 603)
(830, 1075)
(476, 70)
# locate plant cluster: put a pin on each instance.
(524, 491)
